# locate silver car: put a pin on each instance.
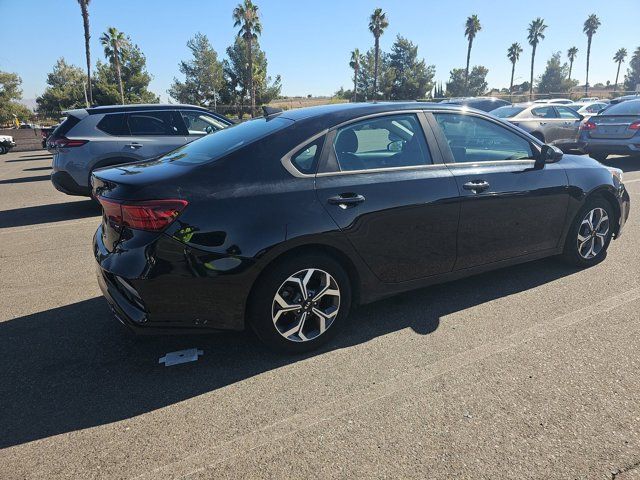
(553, 124)
(102, 136)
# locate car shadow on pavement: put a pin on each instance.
(626, 164)
(75, 367)
(36, 169)
(55, 212)
(36, 178)
(44, 156)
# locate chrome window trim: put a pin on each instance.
(525, 161)
(288, 164)
(382, 170)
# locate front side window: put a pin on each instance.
(567, 113)
(381, 142)
(474, 139)
(152, 123)
(544, 112)
(199, 123)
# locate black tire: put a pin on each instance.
(3, 150)
(601, 157)
(571, 252)
(262, 303)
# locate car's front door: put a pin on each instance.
(153, 133)
(199, 124)
(391, 196)
(509, 207)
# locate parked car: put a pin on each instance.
(555, 101)
(588, 100)
(486, 104)
(624, 98)
(553, 124)
(97, 137)
(45, 133)
(587, 109)
(283, 223)
(615, 130)
(6, 144)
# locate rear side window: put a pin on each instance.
(507, 112)
(66, 126)
(566, 112)
(153, 123)
(114, 124)
(544, 112)
(629, 107)
(306, 159)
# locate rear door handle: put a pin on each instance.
(135, 145)
(543, 123)
(346, 200)
(476, 186)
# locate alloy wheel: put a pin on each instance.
(305, 305)
(592, 233)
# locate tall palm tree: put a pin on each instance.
(245, 16)
(84, 8)
(113, 40)
(355, 64)
(472, 27)
(513, 54)
(377, 24)
(619, 57)
(571, 55)
(591, 25)
(535, 35)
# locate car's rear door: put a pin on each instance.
(569, 125)
(548, 122)
(153, 133)
(199, 123)
(389, 193)
(509, 207)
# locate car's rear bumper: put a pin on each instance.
(66, 184)
(611, 146)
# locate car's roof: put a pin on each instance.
(129, 108)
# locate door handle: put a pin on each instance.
(135, 146)
(476, 186)
(346, 200)
(543, 123)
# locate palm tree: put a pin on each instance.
(571, 55)
(355, 64)
(591, 25)
(84, 7)
(513, 54)
(472, 27)
(377, 23)
(535, 34)
(619, 57)
(112, 40)
(245, 16)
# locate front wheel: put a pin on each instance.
(301, 303)
(590, 233)
(3, 149)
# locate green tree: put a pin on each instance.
(632, 78)
(65, 90)
(571, 55)
(134, 76)
(471, 29)
(113, 42)
(555, 78)
(590, 27)
(245, 16)
(535, 33)
(84, 8)
(476, 85)
(354, 63)
(410, 78)
(203, 75)
(513, 54)
(619, 57)
(10, 93)
(378, 22)
(366, 75)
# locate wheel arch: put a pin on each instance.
(605, 193)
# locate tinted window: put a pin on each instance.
(227, 140)
(544, 112)
(507, 112)
(629, 107)
(306, 159)
(474, 139)
(152, 123)
(65, 126)
(199, 123)
(595, 108)
(114, 124)
(382, 142)
(566, 112)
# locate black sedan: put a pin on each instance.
(283, 223)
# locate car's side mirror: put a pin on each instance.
(548, 154)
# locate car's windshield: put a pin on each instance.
(630, 107)
(507, 112)
(223, 142)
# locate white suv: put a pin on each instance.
(102, 136)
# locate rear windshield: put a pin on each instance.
(630, 107)
(65, 126)
(507, 112)
(225, 141)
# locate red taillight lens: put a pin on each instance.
(588, 125)
(64, 142)
(148, 215)
(635, 126)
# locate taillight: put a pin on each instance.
(635, 126)
(148, 215)
(588, 125)
(64, 142)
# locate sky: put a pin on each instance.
(309, 42)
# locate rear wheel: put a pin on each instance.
(300, 303)
(590, 233)
(601, 157)
(3, 150)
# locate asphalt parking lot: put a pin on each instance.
(529, 372)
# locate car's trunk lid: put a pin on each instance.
(613, 126)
